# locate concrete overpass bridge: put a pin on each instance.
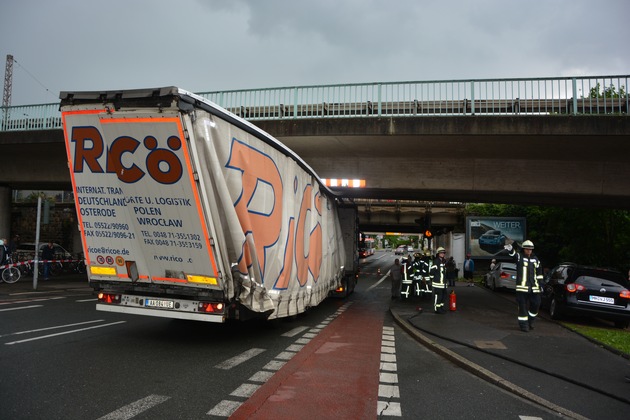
(555, 141)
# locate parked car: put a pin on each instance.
(502, 276)
(410, 249)
(27, 250)
(492, 241)
(572, 289)
(400, 250)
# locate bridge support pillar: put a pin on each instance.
(5, 213)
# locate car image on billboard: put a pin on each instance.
(486, 236)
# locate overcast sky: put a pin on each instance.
(210, 45)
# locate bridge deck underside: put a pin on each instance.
(556, 160)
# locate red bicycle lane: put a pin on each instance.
(336, 375)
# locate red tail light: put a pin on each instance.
(108, 298)
(210, 307)
(339, 289)
(625, 294)
(574, 287)
(505, 275)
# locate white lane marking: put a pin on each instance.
(245, 390)
(388, 390)
(261, 376)
(274, 365)
(13, 302)
(237, 360)
(21, 307)
(224, 408)
(35, 292)
(63, 333)
(381, 280)
(87, 300)
(389, 409)
(135, 408)
(294, 332)
(52, 328)
(388, 378)
(285, 355)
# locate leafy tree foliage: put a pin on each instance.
(598, 237)
(607, 92)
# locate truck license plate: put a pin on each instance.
(156, 303)
(601, 299)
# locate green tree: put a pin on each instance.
(607, 92)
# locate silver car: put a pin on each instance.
(502, 276)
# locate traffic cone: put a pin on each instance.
(453, 301)
(378, 271)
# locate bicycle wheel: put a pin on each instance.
(11, 275)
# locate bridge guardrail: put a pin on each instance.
(596, 95)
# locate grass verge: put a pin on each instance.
(616, 339)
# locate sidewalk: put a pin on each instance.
(485, 323)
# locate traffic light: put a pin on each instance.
(427, 225)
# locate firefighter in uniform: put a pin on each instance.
(417, 274)
(426, 272)
(438, 281)
(528, 284)
(407, 280)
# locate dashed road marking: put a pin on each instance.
(237, 360)
(388, 391)
(63, 333)
(135, 408)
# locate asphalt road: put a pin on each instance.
(60, 358)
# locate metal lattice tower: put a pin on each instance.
(8, 82)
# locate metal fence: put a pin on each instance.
(597, 95)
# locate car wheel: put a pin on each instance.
(554, 311)
(622, 324)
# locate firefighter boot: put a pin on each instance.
(531, 323)
(524, 326)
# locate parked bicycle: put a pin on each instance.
(12, 273)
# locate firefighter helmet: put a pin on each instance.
(440, 249)
(528, 245)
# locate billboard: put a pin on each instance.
(486, 236)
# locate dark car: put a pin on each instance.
(502, 276)
(572, 289)
(492, 240)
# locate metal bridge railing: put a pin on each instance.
(597, 95)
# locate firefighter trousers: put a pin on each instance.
(528, 305)
(439, 299)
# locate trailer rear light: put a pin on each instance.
(574, 287)
(210, 307)
(625, 294)
(103, 271)
(340, 289)
(108, 297)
